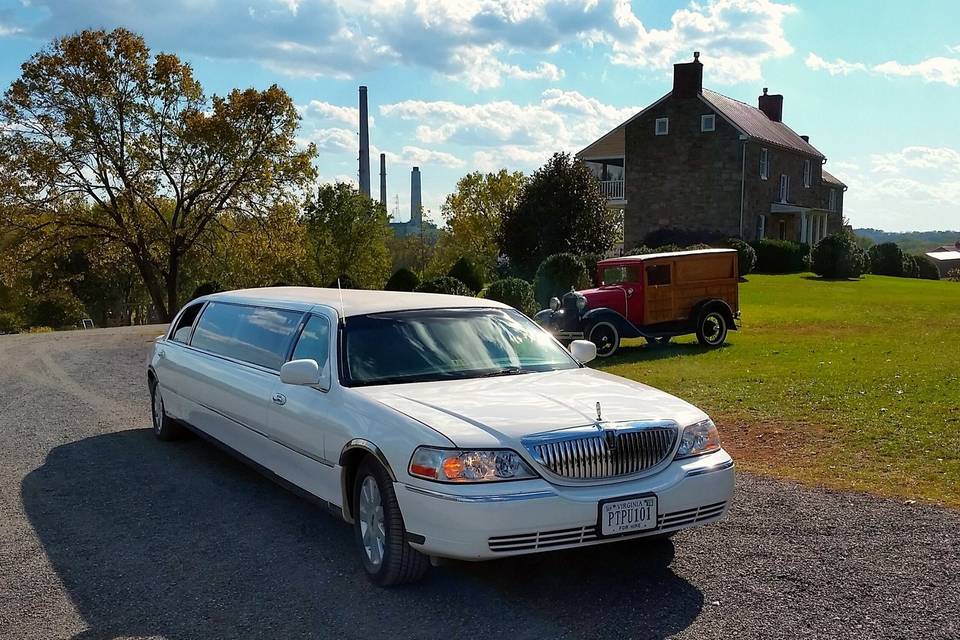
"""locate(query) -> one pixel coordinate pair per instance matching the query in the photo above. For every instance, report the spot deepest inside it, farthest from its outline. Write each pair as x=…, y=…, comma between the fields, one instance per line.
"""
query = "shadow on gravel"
x=181, y=541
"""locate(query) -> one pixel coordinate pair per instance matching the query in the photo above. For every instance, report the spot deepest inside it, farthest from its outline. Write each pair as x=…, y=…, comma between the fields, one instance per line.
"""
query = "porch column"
x=803, y=226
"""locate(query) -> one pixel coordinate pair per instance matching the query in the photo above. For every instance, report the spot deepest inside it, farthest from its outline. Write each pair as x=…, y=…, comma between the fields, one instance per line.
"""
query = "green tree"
x=96, y=118
x=839, y=256
x=557, y=274
x=561, y=209
x=475, y=211
x=347, y=234
x=403, y=279
x=513, y=291
x=467, y=272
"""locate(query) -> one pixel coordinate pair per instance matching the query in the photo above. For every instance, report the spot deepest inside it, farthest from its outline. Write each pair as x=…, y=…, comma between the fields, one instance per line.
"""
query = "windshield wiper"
x=506, y=371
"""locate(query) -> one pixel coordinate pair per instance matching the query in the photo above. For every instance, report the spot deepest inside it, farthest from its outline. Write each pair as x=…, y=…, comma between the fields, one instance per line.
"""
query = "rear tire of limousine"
x=379, y=531
x=164, y=427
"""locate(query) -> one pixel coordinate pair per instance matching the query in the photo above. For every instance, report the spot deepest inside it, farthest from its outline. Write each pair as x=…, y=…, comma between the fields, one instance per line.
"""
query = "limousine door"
x=299, y=415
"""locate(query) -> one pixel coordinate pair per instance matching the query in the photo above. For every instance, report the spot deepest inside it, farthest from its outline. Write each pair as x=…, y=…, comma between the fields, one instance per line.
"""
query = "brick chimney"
x=805, y=139
x=772, y=105
x=688, y=78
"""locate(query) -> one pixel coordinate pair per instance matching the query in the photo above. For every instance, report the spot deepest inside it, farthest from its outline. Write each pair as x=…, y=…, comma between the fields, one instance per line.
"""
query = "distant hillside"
x=911, y=241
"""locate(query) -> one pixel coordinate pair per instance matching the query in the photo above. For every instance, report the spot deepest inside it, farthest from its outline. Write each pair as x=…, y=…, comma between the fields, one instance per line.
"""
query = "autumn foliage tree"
x=102, y=140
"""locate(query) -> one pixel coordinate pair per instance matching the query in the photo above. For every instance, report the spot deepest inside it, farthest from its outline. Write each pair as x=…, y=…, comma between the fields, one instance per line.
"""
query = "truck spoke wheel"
x=606, y=337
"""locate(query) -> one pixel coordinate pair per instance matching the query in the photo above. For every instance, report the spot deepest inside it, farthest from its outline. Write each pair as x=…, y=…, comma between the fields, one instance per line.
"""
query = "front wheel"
x=163, y=426
x=606, y=337
x=711, y=328
x=379, y=531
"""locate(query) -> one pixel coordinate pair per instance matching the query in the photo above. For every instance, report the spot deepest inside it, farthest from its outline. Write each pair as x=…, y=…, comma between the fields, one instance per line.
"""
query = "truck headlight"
x=458, y=465
x=698, y=439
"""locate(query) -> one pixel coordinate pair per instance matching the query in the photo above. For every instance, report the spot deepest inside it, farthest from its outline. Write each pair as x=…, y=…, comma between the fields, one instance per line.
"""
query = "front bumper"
x=479, y=522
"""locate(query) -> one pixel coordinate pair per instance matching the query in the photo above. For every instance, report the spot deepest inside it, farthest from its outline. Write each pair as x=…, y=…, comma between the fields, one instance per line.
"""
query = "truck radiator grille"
x=592, y=454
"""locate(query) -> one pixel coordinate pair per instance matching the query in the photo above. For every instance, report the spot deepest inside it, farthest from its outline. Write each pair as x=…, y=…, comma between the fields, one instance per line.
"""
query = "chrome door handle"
x=161, y=353
x=279, y=398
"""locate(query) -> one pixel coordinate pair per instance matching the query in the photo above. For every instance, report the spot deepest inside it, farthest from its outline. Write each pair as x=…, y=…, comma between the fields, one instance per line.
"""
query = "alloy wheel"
x=370, y=513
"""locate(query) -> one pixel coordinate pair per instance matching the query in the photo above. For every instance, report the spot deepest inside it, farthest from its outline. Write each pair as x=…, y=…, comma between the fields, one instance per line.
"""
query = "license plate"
x=627, y=515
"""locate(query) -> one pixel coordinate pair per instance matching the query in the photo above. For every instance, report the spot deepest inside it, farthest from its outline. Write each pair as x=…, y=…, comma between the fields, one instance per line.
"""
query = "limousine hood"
x=485, y=412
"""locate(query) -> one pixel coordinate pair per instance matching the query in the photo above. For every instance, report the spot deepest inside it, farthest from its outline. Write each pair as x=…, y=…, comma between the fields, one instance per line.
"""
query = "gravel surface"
x=107, y=533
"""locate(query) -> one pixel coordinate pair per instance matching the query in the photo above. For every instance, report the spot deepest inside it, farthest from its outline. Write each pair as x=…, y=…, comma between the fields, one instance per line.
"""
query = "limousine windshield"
x=444, y=344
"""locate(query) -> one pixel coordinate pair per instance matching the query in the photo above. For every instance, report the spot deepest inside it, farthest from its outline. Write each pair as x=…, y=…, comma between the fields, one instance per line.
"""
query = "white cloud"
x=334, y=139
x=937, y=69
x=481, y=43
x=319, y=110
x=418, y=156
x=835, y=68
x=917, y=157
x=913, y=188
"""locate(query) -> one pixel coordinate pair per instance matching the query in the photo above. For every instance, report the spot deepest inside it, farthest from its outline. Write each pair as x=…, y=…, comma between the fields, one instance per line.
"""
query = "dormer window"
x=708, y=122
x=662, y=126
x=806, y=173
x=764, y=164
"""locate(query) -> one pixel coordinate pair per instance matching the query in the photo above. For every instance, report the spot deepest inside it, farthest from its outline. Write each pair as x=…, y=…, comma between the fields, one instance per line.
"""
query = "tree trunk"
x=172, y=280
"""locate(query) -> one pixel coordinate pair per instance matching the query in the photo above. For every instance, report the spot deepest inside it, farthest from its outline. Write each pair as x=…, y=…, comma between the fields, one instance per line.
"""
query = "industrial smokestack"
x=383, y=180
x=364, y=145
x=416, y=204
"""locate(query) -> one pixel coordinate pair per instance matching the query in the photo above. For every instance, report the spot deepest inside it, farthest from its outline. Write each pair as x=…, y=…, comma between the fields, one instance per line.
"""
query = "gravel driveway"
x=108, y=533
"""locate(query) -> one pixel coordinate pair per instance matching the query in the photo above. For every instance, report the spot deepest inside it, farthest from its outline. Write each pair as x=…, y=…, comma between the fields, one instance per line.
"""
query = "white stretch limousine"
x=440, y=426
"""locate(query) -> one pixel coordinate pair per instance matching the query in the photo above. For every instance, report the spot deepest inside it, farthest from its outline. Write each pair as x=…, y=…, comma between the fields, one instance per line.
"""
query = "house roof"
x=944, y=255
x=668, y=254
x=353, y=301
x=748, y=119
x=757, y=125
x=832, y=179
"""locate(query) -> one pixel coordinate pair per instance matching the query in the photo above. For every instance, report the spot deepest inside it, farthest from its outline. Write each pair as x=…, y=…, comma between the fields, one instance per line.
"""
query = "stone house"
x=698, y=161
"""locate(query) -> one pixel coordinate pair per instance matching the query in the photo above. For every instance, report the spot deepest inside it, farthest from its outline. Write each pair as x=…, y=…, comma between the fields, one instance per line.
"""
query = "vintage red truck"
x=654, y=296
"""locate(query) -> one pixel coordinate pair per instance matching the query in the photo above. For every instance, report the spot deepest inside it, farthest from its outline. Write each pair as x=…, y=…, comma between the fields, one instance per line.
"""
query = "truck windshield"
x=617, y=275
x=445, y=344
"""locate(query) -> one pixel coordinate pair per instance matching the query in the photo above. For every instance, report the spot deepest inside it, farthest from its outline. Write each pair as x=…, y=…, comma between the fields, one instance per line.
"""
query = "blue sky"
x=477, y=84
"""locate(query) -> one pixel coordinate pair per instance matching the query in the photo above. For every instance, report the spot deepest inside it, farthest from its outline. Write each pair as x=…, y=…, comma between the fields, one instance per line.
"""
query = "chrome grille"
x=603, y=451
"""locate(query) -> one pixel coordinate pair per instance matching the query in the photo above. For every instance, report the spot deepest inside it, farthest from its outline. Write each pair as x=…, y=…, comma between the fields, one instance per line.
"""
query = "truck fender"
x=714, y=303
x=544, y=318
x=625, y=328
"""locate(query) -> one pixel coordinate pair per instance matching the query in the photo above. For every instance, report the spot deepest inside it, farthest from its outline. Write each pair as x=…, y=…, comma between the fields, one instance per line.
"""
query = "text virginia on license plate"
x=628, y=515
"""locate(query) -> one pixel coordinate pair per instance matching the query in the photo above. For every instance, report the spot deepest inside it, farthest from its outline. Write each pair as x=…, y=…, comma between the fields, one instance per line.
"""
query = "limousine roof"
x=355, y=302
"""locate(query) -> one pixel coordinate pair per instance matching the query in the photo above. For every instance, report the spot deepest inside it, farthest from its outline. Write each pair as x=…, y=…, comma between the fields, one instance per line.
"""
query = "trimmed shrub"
x=55, y=309
x=911, y=266
x=780, y=256
x=444, y=284
x=10, y=322
x=403, y=279
x=927, y=268
x=746, y=256
x=953, y=275
x=557, y=274
x=466, y=272
x=346, y=282
x=590, y=261
x=838, y=256
x=886, y=259
x=515, y=292
x=205, y=289
x=680, y=237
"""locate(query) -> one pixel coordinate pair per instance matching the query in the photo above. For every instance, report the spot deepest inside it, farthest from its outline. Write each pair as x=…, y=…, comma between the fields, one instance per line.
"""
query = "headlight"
x=457, y=465
x=698, y=439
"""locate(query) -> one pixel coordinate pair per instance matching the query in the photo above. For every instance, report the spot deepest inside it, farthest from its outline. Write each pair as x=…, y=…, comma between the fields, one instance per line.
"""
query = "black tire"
x=164, y=427
x=712, y=328
x=606, y=337
x=659, y=341
x=398, y=562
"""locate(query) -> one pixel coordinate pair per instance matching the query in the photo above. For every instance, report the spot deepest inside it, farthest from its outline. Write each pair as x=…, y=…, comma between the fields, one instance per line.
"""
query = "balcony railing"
x=612, y=189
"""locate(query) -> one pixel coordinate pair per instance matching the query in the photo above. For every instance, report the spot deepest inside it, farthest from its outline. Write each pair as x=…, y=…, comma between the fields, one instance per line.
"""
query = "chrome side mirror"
x=305, y=372
x=554, y=303
x=583, y=351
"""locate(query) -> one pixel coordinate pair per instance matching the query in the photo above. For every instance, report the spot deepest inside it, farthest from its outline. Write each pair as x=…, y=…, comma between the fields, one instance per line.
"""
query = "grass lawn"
x=853, y=385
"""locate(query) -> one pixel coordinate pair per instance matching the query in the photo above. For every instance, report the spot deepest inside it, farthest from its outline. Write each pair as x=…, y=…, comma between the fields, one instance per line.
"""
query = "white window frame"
x=784, y=193
x=666, y=126
x=762, y=233
x=807, y=171
x=764, y=164
x=832, y=200
x=708, y=118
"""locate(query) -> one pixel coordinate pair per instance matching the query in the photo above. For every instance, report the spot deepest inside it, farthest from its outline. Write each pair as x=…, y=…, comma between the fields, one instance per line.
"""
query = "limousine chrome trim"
x=503, y=497
x=362, y=443
x=712, y=468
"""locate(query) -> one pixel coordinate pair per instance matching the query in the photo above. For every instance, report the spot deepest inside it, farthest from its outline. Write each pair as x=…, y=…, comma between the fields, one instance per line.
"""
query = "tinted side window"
x=257, y=335
x=181, y=332
x=658, y=274
x=314, y=342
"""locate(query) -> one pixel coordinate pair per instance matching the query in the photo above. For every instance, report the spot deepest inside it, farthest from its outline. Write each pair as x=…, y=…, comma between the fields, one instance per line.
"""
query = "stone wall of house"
x=687, y=179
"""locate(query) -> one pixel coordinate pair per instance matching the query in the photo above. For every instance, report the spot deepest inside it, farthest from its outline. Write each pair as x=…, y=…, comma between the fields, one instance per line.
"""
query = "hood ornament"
x=599, y=417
